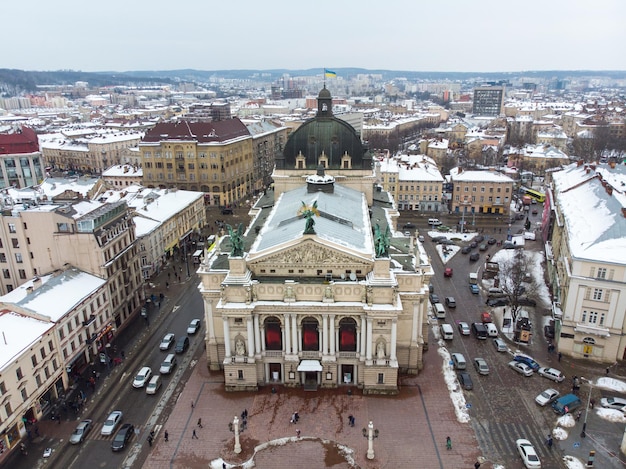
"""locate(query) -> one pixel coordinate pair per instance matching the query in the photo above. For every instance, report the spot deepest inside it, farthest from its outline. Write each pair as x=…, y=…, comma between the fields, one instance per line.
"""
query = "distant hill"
x=22, y=80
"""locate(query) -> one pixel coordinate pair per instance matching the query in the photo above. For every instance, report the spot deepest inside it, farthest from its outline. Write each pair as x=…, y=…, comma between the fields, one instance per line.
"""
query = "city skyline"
x=454, y=35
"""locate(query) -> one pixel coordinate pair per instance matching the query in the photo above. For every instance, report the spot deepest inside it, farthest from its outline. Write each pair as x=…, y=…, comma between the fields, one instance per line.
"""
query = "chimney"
x=579, y=163
x=624, y=212
x=609, y=189
x=36, y=283
x=612, y=164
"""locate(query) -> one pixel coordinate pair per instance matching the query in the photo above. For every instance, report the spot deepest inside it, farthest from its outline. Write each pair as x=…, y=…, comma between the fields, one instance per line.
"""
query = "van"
x=473, y=278
x=480, y=331
x=492, y=330
x=182, y=345
x=440, y=311
x=434, y=221
x=565, y=404
x=154, y=385
x=458, y=360
x=495, y=293
x=500, y=345
x=446, y=332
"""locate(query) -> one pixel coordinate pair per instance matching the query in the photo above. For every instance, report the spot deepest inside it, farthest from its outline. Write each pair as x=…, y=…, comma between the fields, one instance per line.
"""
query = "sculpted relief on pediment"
x=309, y=255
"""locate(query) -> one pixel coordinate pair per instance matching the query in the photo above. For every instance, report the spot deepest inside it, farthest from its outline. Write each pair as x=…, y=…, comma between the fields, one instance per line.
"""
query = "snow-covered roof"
x=594, y=218
x=343, y=220
x=123, y=170
x=57, y=295
x=478, y=176
x=18, y=333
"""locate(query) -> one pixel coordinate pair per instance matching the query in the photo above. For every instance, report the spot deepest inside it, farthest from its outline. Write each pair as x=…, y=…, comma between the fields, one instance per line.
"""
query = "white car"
x=111, y=423
x=167, y=341
x=194, y=325
x=528, y=454
x=613, y=403
x=78, y=435
x=142, y=377
x=547, y=396
x=481, y=366
x=464, y=328
x=522, y=368
x=551, y=373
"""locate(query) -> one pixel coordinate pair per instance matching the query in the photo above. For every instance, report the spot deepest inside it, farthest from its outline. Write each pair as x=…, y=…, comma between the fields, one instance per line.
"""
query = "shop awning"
x=310, y=365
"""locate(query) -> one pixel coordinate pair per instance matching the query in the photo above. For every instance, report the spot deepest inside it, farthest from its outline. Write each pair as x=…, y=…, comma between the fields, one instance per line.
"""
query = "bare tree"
x=512, y=276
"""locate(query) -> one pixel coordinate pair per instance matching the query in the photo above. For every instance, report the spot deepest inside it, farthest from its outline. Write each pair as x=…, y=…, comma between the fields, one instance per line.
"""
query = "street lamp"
x=370, y=433
x=583, y=433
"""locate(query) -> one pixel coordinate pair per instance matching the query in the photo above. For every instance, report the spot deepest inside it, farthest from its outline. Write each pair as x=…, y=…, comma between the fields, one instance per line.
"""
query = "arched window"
x=310, y=335
x=347, y=335
x=589, y=341
x=273, y=334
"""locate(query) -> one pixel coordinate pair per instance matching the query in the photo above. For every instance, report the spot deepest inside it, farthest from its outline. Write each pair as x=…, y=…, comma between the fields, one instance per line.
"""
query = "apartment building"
x=488, y=101
x=94, y=237
x=221, y=159
x=537, y=158
x=31, y=374
x=586, y=261
x=88, y=150
x=414, y=182
x=480, y=192
x=21, y=162
x=122, y=175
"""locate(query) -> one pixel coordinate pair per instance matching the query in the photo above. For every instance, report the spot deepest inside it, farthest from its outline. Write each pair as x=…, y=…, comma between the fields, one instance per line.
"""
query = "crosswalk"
x=498, y=440
x=96, y=435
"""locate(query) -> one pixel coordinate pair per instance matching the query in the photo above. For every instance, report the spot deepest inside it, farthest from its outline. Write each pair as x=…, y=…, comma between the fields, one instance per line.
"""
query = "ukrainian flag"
x=329, y=73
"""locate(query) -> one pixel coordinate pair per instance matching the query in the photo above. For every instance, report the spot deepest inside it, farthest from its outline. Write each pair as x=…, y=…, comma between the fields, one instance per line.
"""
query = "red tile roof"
x=202, y=132
x=22, y=141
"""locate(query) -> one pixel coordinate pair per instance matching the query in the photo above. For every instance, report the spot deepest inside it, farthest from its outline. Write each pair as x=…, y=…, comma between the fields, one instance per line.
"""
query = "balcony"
x=89, y=321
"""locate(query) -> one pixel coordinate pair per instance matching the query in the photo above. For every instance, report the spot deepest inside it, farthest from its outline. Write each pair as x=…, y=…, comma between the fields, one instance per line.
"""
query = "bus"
x=538, y=196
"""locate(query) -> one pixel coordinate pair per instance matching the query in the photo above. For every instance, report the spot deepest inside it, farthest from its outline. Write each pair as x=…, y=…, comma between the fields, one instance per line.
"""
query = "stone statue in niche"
x=380, y=349
x=240, y=347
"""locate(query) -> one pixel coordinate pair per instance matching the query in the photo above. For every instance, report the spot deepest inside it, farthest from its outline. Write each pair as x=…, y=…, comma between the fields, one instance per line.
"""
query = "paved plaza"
x=412, y=426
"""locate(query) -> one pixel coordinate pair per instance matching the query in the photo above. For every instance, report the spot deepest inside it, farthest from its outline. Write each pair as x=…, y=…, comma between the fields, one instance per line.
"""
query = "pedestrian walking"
x=560, y=355
x=448, y=443
x=193, y=434
x=167, y=285
x=578, y=415
x=192, y=404
x=150, y=441
x=200, y=422
x=549, y=441
x=297, y=433
x=592, y=402
x=476, y=465
x=607, y=371
x=166, y=436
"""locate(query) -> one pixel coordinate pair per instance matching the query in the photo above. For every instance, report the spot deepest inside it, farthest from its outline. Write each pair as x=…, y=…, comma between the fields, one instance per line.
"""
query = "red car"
x=485, y=317
x=447, y=272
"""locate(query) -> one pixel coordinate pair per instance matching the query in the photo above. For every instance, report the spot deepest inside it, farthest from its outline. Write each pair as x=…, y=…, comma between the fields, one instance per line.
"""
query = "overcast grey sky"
x=436, y=35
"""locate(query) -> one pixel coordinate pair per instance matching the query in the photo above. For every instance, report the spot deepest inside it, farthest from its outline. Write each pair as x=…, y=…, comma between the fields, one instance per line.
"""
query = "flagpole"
x=324, y=75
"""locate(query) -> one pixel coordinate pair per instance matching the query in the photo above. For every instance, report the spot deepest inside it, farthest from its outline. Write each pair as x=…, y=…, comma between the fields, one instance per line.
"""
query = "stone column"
x=257, y=334
x=394, y=339
x=332, y=335
x=287, y=334
x=363, y=337
x=414, y=332
x=226, y=338
x=324, y=334
x=368, y=355
x=262, y=338
x=250, y=330
x=295, y=331
x=209, y=320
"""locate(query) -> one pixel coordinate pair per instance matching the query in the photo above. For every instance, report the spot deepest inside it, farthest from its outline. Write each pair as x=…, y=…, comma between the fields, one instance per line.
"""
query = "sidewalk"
x=413, y=426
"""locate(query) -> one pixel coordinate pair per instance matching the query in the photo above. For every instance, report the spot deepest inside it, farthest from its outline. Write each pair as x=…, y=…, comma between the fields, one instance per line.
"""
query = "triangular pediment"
x=310, y=255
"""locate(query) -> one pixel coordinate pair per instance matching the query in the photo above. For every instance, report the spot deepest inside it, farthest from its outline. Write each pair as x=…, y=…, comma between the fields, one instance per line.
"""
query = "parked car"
x=479, y=239
x=547, y=396
x=111, y=423
x=167, y=341
x=193, y=327
x=420, y=238
x=529, y=361
x=613, y=403
x=458, y=361
x=500, y=345
x=450, y=302
x=551, y=373
x=466, y=250
x=408, y=226
x=496, y=302
x=121, y=438
x=522, y=368
x=182, y=345
x=485, y=317
x=446, y=241
x=464, y=328
x=481, y=366
x=492, y=241
x=528, y=454
x=448, y=272
x=153, y=385
x=525, y=301
x=474, y=256
x=79, y=433
x=142, y=377
x=434, y=298
x=483, y=247
x=473, y=245
x=474, y=289
x=465, y=380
